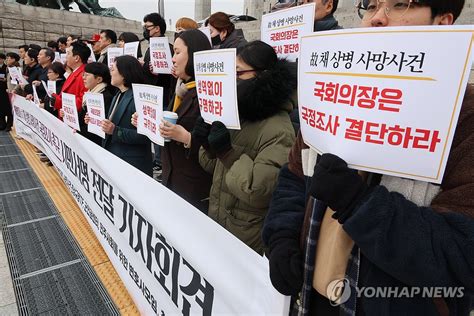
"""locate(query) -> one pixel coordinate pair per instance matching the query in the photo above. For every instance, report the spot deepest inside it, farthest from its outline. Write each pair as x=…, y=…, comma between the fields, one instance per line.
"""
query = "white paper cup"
x=171, y=117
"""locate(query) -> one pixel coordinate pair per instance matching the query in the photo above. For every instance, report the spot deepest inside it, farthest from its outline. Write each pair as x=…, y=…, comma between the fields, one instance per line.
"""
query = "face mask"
x=216, y=40
x=146, y=34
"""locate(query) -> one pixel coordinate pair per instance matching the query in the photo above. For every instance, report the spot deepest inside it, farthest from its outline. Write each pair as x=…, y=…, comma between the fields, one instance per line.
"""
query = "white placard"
x=96, y=111
x=216, y=86
x=15, y=74
x=92, y=56
x=172, y=258
x=149, y=106
x=52, y=86
x=70, y=117
x=283, y=29
x=160, y=55
x=45, y=86
x=36, y=99
x=386, y=101
x=63, y=58
x=131, y=49
x=207, y=31
x=57, y=57
x=112, y=54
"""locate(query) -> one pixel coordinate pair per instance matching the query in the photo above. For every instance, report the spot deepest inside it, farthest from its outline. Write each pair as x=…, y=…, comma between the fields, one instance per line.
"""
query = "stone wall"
x=21, y=24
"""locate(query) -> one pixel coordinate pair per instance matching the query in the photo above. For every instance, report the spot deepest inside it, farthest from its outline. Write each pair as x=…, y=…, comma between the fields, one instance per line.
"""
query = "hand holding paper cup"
x=170, y=117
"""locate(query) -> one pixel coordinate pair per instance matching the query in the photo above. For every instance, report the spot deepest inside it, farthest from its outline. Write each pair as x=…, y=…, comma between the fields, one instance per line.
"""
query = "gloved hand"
x=201, y=131
x=286, y=263
x=339, y=186
x=219, y=139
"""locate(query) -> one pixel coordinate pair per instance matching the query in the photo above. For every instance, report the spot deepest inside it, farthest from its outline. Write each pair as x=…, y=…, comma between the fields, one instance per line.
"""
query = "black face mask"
x=216, y=40
x=244, y=93
x=146, y=34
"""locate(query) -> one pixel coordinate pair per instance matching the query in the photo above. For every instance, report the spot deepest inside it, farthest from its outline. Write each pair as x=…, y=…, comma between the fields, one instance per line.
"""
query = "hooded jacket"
x=244, y=179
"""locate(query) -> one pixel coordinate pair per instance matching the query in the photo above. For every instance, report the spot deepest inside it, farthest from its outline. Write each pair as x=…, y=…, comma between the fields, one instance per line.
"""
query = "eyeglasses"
x=394, y=9
x=148, y=27
x=241, y=72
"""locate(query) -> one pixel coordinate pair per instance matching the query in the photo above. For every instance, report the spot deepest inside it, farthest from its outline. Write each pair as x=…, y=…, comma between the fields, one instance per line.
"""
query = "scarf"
x=457, y=188
x=181, y=90
x=97, y=89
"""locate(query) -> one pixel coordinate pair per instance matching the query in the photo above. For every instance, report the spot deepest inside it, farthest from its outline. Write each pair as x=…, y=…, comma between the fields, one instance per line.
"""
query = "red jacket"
x=74, y=84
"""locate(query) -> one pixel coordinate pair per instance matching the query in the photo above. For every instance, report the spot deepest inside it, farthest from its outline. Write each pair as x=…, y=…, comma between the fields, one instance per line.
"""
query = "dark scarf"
x=325, y=24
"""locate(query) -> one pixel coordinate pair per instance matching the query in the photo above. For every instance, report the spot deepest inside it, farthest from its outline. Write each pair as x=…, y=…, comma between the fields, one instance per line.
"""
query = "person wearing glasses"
x=421, y=238
x=155, y=26
x=245, y=163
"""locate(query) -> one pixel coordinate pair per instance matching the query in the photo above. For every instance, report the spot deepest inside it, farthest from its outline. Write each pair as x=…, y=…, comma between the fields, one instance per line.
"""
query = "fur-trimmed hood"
x=268, y=93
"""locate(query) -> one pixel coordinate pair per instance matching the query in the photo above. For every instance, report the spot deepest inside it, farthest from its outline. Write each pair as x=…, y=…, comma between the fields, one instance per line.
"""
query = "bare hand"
x=175, y=132
x=87, y=119
x=37, y=83
x=61, y=113
x=108, y=127
x=135, y=119
x=29, y=97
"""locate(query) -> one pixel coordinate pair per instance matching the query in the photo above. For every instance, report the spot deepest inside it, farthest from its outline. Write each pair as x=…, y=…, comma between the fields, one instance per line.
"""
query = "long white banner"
x=171, y=257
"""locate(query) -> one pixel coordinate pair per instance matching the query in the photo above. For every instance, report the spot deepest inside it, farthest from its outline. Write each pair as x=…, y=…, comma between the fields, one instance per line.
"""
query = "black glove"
x=339, y=186
x=219, y=139
x=201, y=131
x=286, y=263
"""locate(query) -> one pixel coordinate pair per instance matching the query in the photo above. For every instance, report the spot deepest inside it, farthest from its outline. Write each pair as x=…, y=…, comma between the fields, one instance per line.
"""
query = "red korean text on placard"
x=210, y=106
x=366, y=97
x=380, y=134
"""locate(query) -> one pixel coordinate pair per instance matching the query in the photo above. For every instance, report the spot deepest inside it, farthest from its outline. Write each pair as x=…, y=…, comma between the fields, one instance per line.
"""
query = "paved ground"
x=7, y=296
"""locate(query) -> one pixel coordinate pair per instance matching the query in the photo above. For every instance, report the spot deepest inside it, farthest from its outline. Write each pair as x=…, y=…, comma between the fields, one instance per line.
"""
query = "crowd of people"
x=309, y=214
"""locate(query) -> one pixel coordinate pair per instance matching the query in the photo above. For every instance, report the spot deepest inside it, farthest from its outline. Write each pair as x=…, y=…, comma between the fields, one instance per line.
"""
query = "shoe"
x=38, y=151
x=44, y=159
x=18, y=137
x=49, y=163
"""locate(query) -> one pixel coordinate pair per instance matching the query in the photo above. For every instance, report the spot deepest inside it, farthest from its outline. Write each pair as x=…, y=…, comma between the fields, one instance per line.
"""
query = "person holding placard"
x=383, y=232
x=181, y=170
x=108, y=39
x=45, y=59
x=121, y=137
x=6, y=115
x=77, y=55
x=56, y=74
x=245, y=163
x=96, y=80
x=5, y=105
x=223, y=31
x=32, y=71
